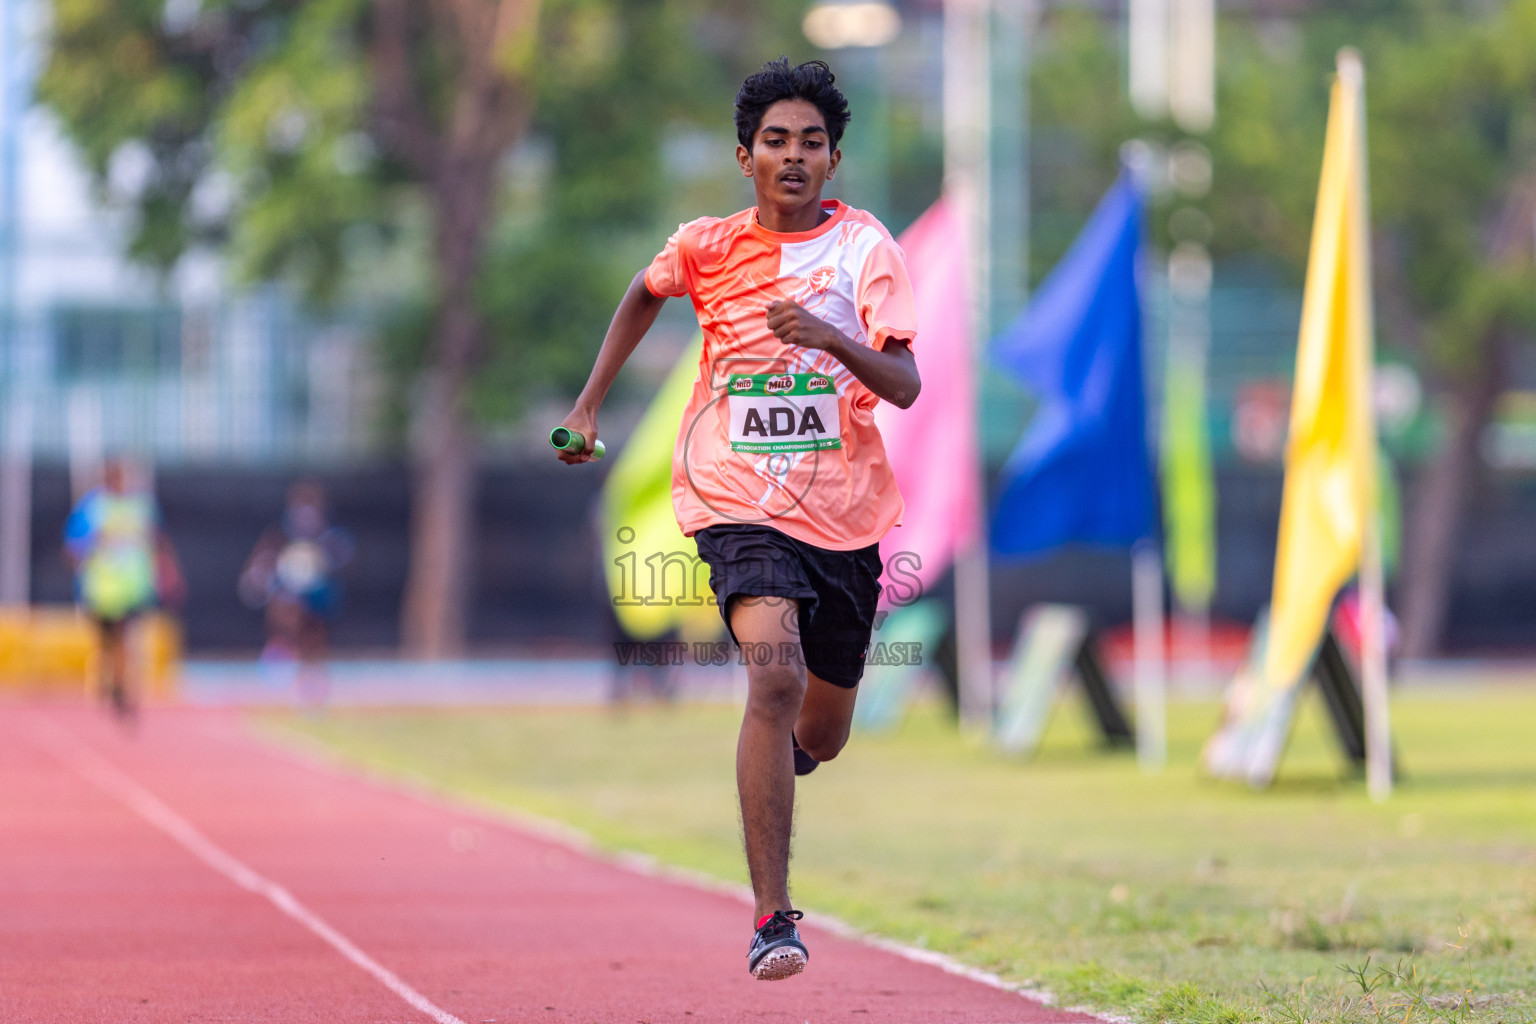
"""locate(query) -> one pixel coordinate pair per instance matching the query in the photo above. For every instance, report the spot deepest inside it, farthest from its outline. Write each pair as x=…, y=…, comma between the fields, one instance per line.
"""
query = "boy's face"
x=792, y=155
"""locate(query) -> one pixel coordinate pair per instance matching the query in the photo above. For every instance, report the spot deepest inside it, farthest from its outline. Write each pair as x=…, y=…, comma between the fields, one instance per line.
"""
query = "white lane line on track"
x=314, y=754
x=111, y=779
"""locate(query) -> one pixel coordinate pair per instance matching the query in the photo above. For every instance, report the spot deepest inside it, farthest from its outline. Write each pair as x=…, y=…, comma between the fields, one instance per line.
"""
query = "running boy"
x=124, y=565
x=779, y=473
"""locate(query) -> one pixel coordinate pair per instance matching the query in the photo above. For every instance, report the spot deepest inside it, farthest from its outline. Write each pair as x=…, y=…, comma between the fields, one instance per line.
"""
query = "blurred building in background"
x=181, y=371
x=230, y=391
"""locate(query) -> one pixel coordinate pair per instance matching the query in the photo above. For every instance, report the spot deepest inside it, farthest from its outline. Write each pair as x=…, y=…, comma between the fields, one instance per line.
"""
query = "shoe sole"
x=781, y=963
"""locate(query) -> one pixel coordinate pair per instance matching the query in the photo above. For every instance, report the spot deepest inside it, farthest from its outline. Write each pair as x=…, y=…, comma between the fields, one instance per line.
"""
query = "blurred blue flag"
x=1081, y=473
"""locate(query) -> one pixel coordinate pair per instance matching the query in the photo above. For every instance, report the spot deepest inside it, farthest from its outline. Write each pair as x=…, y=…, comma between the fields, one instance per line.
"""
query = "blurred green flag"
x=1189, y=493
x=645, y=554
x=1389, y=515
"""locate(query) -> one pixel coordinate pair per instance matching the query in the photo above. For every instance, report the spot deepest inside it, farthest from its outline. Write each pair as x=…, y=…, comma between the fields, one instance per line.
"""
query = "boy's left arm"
x=890, y=372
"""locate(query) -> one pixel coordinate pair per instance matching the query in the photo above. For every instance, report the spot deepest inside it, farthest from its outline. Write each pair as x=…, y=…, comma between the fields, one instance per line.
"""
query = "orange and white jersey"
x=776, y=434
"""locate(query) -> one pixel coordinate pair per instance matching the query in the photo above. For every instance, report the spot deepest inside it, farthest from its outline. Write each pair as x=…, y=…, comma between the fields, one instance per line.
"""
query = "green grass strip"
x=1162, y=898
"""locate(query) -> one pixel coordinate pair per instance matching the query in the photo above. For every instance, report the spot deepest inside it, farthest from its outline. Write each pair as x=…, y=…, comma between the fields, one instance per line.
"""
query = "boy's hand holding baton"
x=576, y=440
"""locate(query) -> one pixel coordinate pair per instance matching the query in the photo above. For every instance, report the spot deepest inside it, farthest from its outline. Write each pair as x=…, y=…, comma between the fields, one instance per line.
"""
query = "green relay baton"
x=570, y=441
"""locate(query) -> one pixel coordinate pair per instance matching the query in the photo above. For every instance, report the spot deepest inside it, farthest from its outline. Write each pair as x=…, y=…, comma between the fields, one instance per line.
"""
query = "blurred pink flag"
x=933, y=445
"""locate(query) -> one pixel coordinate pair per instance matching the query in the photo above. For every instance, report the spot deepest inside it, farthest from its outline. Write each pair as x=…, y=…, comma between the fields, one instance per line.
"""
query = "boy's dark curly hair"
x=811, y=81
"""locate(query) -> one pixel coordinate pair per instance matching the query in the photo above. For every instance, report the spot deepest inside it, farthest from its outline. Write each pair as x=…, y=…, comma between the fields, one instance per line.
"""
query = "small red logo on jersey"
x=776, y=384
x=817, y=383
x=741, y=384
x=821, y=279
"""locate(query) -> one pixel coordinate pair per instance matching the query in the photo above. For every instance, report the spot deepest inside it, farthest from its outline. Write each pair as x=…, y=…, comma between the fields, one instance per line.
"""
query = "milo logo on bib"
x=783, y=412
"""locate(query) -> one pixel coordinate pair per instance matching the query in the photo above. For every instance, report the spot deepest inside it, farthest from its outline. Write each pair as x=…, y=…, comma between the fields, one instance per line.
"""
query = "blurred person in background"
x=293, y=574
x=124, y=566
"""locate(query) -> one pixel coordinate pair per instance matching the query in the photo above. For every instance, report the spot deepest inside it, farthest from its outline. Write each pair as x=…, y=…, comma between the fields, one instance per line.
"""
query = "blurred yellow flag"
x=1330, y=459
x=652, y=569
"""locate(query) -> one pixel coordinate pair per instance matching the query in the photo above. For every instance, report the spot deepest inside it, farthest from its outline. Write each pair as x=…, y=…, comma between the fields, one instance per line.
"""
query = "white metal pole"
x=967, y=127
x=1192, y=64
x=1373, y=632
x=1373, y=668
x=1150, y=674
x=16, y=453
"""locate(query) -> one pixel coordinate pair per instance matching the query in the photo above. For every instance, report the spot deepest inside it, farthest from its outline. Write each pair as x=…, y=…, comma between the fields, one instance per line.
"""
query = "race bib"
x=783, y=412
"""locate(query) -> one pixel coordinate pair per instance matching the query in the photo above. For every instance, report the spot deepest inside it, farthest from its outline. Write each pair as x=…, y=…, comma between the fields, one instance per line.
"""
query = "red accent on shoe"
x=763, y=920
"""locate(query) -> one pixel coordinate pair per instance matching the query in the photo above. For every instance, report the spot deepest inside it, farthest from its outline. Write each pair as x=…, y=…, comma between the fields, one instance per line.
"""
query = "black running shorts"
x=836, y=591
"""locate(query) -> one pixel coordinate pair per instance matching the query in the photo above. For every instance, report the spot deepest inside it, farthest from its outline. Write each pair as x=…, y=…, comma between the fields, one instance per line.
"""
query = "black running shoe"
x=804, y=763
x=777, y=951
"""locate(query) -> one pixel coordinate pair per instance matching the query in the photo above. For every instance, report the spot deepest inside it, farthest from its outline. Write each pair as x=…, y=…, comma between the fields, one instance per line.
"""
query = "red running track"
x=193, y=873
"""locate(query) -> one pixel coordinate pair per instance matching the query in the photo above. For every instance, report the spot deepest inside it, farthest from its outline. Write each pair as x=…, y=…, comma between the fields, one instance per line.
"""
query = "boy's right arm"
x=636, y=312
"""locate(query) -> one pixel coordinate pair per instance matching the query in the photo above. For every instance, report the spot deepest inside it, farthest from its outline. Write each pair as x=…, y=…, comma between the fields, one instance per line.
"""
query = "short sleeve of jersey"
x=666, y=276
x=885, y=296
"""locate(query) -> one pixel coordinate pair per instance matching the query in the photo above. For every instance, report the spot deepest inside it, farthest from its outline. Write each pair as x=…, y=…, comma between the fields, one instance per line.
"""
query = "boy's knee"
x=821, y=741
x=775, y=688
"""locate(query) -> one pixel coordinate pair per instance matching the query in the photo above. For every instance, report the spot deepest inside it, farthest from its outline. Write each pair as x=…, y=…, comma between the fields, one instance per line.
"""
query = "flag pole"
x=1150, y=676
x=1373, y=647
x=16, y=444
x=967, y=143
x=1373, y=657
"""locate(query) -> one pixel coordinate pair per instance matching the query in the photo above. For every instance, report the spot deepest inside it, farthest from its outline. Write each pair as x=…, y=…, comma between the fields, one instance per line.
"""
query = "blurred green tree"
x=1454, y=186
x=1452, y=137
x=1451, y=108
x=1079, y=118
x=362, y=147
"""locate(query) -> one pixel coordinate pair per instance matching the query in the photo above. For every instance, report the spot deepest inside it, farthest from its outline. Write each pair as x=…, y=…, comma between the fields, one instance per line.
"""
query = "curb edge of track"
x=314, y=753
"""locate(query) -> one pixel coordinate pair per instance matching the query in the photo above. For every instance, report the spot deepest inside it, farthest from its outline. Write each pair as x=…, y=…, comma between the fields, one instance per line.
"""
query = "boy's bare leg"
x=136, y=666
x=106, y=662
x=826, y=715
x=765, y=765
x=116, y=685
